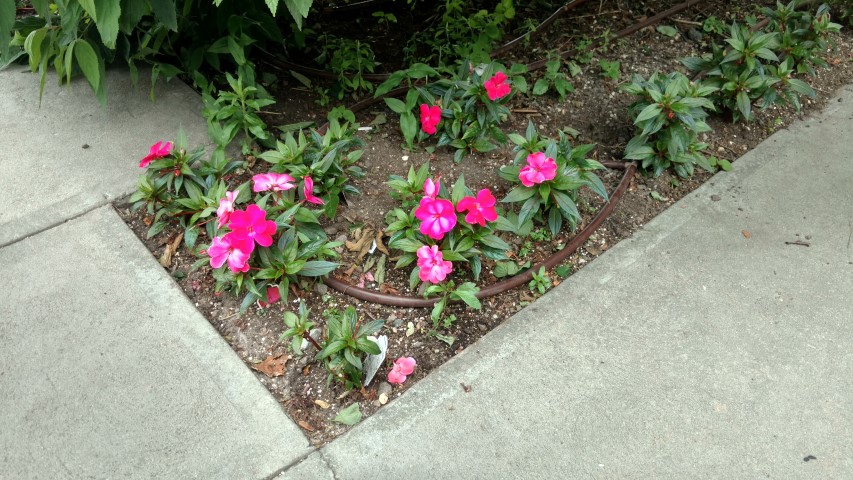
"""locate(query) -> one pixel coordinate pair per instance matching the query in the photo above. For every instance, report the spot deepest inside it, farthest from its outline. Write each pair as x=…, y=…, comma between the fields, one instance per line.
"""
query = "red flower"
x=480, y=209
x=430, y=118
x=496, y=88
x=157, y=151
x=273, y=295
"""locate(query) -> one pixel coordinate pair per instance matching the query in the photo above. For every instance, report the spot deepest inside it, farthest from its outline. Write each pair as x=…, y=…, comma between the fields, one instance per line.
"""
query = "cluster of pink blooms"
x=538, y=169
x=496, y=88
x=430, y=118
x=438, y=217
x=249, y=227
x=157, y=151
x=403, y=367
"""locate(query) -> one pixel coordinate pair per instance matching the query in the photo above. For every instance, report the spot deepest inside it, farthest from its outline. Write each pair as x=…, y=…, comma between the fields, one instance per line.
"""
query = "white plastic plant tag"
x=373, y=362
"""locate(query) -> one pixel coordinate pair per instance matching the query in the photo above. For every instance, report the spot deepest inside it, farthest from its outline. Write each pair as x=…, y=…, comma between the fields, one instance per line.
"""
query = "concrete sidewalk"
x=687, y=351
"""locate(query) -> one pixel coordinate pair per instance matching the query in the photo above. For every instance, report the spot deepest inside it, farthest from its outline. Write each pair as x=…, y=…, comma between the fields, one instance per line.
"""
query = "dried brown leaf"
x=273, y=365
x=745, y=233
x=379, y=244
x=322, y=404
x=306, y=425
x=171, y=248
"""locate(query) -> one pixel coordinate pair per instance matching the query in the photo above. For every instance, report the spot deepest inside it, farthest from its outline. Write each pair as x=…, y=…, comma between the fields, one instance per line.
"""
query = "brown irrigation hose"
x=409, y=301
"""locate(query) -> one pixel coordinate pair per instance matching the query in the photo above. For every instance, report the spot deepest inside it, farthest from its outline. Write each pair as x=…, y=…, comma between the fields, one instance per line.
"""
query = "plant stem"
x=307, y=336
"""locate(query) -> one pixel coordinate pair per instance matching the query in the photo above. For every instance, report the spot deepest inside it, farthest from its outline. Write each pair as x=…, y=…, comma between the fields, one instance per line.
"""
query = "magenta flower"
x=430, y=118
x=496, y=88
x=431, y=188
x=273, y=295
x=308, y=192
x=434, y=268
x=402, y=368
x=226, y=207
x=276, y=182
x=158, y=150
x=538, y=169
x=252, y=224
x=234, y=250
x=480, y=209
x=437, y=217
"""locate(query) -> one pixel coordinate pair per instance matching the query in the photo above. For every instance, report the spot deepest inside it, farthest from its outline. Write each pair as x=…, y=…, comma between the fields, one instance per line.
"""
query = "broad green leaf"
x=350, y=415
x=650, y=111
x=298, y=10
x=88, y=61
x=7, y=21
x=668, y=30
x=272, y=5
x=396, y=105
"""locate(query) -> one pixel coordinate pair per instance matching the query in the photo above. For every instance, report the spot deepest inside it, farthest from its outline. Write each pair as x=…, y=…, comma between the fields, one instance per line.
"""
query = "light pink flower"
x=252, y=224
x=273, y=295
x=402, y=368
x=434, y=268
x=308, y=192
x=480, y=209
x=431, y=188
x=158, y=150
x=437, y=217
x=496, y=88
x=539, y=169
x=234, y=250
x=226, y=207
x=430, y=118
x=276, y=182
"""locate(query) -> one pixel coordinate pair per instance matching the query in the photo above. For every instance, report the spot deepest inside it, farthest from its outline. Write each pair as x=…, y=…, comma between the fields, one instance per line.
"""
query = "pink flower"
x=480, y=209
x=158, y=150
x=273, y=295
x=437, y=217
x=308, y=192
x=252, y=224
x=431, y=188
x=434, y=268
x=233, y=249
x=539, y=169
x=226, y=207
x=402, y=368
x=430, y=118
x=276, y=182
x=496, y=88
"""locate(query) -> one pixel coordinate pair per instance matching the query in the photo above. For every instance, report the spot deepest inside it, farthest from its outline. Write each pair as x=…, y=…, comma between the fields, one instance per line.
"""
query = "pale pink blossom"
x=276, y=182
x=252, y=224
x=430, y=118
x=496, y=88
x=434, y=268
x=538, y=169
x=480, y=209
x=437, y=217
x=402, y=368
x=157, y=151
x=234, y=250
x=226, y=207
x=431, y=188
x=308, y=192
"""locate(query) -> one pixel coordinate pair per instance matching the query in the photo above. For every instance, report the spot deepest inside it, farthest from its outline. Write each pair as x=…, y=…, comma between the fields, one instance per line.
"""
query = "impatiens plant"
x=403, y=367
x=549, y=181
x=669, y=114
x=345, y=345
x=458, y=226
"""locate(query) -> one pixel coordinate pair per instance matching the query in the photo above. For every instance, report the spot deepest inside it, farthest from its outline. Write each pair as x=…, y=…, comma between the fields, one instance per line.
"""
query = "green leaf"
x=352, y=359
x=467, y=293
x=272, y=5
x=743, y=104
x=650, y=111
x=519, y=194
x=164, y=10
x=7, y=21
x=396, y=105
x=668, y=30
x=298, y=10
x=88, y=61
x=540, y=87
x=350, y=415
x=317, y=268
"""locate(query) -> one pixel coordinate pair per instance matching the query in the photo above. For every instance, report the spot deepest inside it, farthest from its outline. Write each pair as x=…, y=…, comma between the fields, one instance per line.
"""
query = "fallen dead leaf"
x=322, y=404
x=306, y=370
x=383, y=398
x=148, y=220
x=745, y=234
x=368, y=395
x=385, y=288
x=273, y=365
x=379, y=244
x=171, y=248
x=466, y=388
x=306, y=425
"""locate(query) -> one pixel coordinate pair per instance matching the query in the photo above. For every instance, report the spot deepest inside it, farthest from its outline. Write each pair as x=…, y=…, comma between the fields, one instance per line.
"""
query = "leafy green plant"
x=550, y=181
x=350, y=60
x=714, y=25
x=541, y=282
x=465, y=292
x=669, y=114
x=803, y=37
x=554, y=79
x=611, y=70
x=345, y=345
x=329, y=159
x=298, y=329
x=234, y=111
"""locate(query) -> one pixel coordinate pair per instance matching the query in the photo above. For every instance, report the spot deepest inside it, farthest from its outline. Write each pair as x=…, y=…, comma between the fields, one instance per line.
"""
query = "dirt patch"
x=596, y=110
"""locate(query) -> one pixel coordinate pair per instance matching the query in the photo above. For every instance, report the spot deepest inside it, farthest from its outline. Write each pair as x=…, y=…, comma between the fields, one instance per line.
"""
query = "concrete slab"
x=108, y=371
x=47, y=174
x=693, y=350
x=312, y=468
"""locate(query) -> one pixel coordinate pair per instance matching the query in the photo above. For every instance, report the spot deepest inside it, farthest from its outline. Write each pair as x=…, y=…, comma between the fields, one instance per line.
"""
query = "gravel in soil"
x=597, y=110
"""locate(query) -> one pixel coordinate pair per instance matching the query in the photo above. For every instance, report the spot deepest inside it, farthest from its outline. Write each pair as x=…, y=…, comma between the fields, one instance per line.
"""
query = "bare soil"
x=596, y=109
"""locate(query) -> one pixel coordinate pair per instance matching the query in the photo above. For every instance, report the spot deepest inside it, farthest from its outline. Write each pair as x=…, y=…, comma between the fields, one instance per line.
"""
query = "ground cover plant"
x=382, y=198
